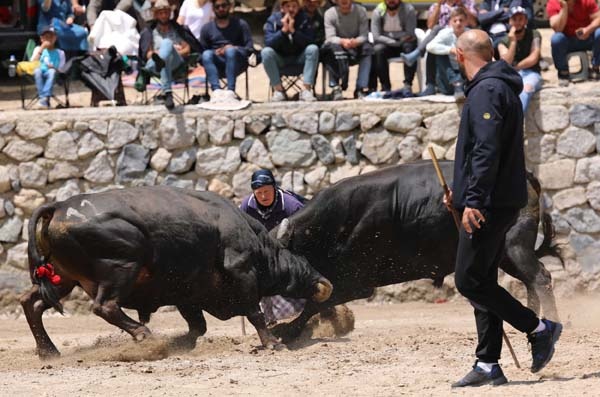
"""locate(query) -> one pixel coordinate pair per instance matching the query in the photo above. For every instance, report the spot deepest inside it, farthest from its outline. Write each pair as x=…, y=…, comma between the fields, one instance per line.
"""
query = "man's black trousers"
x=476, y=279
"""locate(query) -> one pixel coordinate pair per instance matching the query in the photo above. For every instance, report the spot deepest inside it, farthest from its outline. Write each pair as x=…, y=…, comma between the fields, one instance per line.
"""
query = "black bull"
x=143, y=248
x=390, y=226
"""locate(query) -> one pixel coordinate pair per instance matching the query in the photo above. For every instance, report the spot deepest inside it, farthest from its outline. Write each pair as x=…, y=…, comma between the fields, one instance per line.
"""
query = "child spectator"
x=51, y=59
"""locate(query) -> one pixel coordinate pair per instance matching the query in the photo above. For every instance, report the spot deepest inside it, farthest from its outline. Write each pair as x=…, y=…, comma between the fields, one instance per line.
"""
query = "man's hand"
x=582, y=33
x=448, y=200
x=563, y=3
x=78, y=10
x=472, y=217
x=291, y=27
x=285, y=21
x=69, y=21
x=512, y=34
x=221, y=51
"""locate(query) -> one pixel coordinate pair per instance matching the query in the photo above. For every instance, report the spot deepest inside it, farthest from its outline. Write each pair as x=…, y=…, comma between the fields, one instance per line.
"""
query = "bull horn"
x=284, y=232
x=324, y=290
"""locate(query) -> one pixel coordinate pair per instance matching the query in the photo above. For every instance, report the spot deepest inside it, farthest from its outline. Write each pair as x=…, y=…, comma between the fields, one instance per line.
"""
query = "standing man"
x=347, y=43
x=163, y=46
x=576, y=25
x=489, y=189
x=522, y=49
x=227, y=44
x=269, y=205
x=393, y=24
x=289, y=40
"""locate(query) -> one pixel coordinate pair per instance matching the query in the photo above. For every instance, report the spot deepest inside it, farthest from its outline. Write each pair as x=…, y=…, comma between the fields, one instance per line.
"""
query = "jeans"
x=563, y=44
x=273, y=62
x=476, y=277
x=382, y=53
x=172, y=61
x=44, y=81
x=533, y=79
x=230, y=66
x=448, y=74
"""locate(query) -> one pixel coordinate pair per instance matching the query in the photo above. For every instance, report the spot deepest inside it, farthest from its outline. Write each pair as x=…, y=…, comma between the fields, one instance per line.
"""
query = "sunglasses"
x=221, y=5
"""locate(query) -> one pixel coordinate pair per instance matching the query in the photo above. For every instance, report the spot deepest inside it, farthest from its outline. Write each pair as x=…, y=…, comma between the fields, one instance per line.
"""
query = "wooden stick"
x=442, y=180
x=243, y=326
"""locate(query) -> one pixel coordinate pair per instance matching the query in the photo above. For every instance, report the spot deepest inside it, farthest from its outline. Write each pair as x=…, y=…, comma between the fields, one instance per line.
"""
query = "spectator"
x=95, y=7
x=163, y=46
x=289, y=40
x=521, y=48
x=59, y=14
x=50, y=9
x=194, y=14
x=494, y=14
x=346, y=43
x=576, y=25
x=393, y=24
x=227, y=44
x=313, y=9
x=438, y=19
x=51, y=59
x=269, y=205
x=79, y=10
x=443, y=49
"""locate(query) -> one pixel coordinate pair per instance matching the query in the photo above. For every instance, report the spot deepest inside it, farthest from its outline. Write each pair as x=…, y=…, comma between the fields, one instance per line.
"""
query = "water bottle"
x=12, y=66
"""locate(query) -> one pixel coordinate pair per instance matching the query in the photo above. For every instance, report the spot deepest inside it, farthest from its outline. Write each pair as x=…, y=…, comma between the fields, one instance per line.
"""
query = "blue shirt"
x=237, y=33
x=60, y=9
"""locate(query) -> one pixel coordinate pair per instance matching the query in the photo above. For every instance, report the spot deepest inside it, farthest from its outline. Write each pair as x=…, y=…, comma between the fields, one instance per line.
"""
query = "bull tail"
x=48, y=291
x=546, y=248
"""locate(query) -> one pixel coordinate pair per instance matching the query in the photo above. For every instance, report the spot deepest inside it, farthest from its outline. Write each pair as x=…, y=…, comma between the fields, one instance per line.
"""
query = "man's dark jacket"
x=489, y=169
x=183, y=32
x=289, y=44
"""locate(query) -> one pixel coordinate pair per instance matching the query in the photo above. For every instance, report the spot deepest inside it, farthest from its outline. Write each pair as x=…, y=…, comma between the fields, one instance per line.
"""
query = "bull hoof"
x=184, y=342
x=48, y=353
x=141, y=333
x=286, y=332
x=279, y=347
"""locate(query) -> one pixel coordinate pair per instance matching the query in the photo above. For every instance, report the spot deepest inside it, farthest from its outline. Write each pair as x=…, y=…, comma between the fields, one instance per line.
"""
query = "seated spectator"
x=443, y=49
x=393, y=24
x=194, y=14
x=494, y=14
x=438, y=18
x=347, y=43
x=163, y=46
x=289, y=40
x=269, y=204
x=71, y=38
x=576, y=24
x=522, y=49
x=313, y=10
x=227, y=44
x=51, y=59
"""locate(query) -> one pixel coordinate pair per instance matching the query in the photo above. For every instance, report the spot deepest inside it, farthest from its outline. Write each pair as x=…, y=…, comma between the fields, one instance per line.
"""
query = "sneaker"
x=158, y=62
x=360, y=94
x=169, y=104
x=429, y=90
x=278, y=96
x=410, y=58
x=478, y=377
x=307, y=96
x=459, y=94
x=336, y=94
x=43, y=104
x=595, y=73
x=563, y=79
x=542, y=344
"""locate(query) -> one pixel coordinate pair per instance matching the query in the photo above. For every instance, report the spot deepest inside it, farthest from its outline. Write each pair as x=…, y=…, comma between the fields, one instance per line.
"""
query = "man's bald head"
x=476, y=42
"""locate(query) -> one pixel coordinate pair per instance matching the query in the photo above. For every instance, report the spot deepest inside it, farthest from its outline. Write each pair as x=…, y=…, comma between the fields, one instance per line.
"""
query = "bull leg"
x=106, y=306
x=34, y=307
x=196, y=323
x=268, y=340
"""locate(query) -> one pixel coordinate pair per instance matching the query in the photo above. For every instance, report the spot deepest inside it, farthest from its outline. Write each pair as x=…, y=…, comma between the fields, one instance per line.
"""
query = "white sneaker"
x=307, y=96
x=278, y=96
x=230, y=95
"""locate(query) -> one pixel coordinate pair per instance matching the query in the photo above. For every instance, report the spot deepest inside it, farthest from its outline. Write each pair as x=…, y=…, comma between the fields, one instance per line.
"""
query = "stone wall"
x=53, y=155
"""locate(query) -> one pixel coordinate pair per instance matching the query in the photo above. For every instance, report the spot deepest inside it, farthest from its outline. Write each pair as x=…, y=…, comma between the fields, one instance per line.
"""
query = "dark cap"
x=517, y=10
x=262, y=178
x=48, y=29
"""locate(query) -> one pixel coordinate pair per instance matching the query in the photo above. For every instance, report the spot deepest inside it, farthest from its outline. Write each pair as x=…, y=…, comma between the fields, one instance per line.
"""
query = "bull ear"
x=284, y=232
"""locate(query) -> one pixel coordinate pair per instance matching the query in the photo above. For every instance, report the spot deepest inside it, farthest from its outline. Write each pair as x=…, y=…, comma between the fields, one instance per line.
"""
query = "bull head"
x=284, y=232
x=324, y=290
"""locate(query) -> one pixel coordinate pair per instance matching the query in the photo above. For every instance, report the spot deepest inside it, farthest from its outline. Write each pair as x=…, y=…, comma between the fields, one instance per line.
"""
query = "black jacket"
x=183, y=32
x=289, y=44
x=489, y=169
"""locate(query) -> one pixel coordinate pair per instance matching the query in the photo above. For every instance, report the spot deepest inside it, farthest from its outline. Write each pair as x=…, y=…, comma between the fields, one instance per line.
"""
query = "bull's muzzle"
x=324, y=290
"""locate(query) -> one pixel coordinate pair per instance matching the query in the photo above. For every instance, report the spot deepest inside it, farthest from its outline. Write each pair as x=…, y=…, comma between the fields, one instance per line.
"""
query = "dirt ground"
x=396, y=349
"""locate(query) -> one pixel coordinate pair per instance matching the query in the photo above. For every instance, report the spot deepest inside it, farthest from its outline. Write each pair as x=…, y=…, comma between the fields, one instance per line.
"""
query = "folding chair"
x=420, y=69
x=25, y=75
x=180, y=75
x=291, y=78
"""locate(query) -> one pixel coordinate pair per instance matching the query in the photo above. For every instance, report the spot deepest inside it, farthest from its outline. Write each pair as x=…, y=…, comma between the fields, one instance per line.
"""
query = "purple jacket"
x=284, y=206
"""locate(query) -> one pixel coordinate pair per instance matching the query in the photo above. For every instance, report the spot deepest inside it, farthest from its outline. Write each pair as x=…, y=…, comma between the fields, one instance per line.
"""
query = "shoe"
x=410, y=58
x=278, y=96
x=478, y=377
x=307, y=96
x=169, y=104
x=360, y=94
x=542, y=344
x=563, y=78
x=336, y=94
x=459, y=94
x=595, y=73
x=407, y=87
x=43, y=104
x=158, y=62
x=429, y=90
